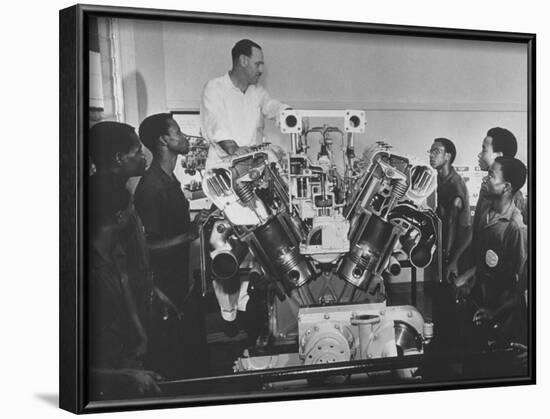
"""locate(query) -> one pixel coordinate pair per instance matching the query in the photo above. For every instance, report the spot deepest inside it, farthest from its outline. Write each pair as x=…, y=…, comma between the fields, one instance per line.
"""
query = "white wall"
x=414, y=89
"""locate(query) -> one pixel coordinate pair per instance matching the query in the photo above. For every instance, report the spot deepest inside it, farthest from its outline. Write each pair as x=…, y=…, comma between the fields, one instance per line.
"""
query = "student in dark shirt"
x=115, y=335
x=498, y=142
x=453, y=205
x=500, y=251
x=164, y=210
x=453, y=209
x=117, y=155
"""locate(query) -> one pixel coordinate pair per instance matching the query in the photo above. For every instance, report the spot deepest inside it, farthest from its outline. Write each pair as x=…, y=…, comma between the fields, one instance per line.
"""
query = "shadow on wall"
x=136, y=98
x=142, y=97
x=140, y=105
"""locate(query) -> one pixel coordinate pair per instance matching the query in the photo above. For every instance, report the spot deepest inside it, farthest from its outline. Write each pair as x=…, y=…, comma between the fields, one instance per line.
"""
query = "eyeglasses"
x=436, y=151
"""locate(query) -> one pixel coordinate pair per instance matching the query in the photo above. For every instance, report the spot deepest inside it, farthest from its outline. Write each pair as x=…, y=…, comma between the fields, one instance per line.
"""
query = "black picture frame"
x=73, y=93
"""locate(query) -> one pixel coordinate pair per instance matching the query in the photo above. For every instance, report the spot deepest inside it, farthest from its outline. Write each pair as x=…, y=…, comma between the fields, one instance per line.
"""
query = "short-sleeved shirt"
x=164, y=211
x=448, y=189
x=500, y=252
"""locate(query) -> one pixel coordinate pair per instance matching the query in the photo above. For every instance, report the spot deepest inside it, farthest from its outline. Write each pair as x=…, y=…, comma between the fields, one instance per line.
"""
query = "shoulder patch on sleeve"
x=457, y=202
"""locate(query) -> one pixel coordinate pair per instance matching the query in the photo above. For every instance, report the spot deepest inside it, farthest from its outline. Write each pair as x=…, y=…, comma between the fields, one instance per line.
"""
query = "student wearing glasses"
x=453, y=205
x=453, y=208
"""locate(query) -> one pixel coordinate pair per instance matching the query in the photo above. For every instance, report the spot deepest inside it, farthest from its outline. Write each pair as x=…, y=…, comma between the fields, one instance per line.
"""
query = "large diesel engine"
x=325, y=233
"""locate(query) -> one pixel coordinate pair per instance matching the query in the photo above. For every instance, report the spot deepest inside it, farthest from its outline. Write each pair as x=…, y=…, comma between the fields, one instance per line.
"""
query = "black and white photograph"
x=278, y=209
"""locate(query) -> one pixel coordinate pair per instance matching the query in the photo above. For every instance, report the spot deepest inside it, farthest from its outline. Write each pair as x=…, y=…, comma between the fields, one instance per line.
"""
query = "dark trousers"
x=177, y=346
x=447, y=316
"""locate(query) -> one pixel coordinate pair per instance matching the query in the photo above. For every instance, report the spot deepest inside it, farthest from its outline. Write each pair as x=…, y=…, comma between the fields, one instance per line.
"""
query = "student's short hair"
x=449, y=147
x=152, y=128
x=513, y=171
x=243, y=47
x=503, y=141
x=108, y=138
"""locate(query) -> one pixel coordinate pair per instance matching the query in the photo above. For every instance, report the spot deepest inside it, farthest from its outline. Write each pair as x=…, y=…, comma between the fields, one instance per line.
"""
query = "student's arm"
x=147, y=205
x=186, y=237
x=109, y=380
x=164, y=244
x=451, y=232
x=463, y=240
x=463, y=237
x=509, y=304
x=465, y=282
x=121, y=263
x=130, y=301
x=480, y=207
x=516, y=241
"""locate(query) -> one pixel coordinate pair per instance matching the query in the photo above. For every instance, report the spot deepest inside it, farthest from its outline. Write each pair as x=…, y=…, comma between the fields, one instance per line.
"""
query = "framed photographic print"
x=258, y=208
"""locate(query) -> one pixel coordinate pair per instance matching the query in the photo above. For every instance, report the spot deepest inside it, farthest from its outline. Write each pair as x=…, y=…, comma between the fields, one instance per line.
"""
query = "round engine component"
x=226, y=263
x=364, y=261
x=419, y=241
x=328, y=342
x=227, y=252
x=423, y=182
x=407, y=339
x=282, y=254
x=394, y=267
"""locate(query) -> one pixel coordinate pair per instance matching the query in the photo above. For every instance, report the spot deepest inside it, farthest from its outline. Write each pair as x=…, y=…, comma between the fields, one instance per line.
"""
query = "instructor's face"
x=176, y=140
x=254, y=65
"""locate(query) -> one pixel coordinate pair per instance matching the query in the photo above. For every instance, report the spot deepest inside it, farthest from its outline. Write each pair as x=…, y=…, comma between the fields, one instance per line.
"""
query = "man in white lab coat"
x=233, y=110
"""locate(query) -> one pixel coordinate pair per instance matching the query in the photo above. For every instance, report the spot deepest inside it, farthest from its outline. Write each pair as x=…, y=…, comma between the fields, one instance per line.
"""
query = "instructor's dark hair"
x=503, y=141
x=152, y=128
x=513, y=171
x=243, y=47
x=449, y=147
x=108, y=138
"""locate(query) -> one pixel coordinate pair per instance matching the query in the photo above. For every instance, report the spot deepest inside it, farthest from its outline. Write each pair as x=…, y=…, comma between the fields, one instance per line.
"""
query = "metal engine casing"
x=324, y=237
x=336, y=334
x=358, y=331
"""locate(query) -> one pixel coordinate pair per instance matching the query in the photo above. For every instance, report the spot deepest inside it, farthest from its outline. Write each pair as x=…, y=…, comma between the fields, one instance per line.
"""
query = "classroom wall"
x=413, y=89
